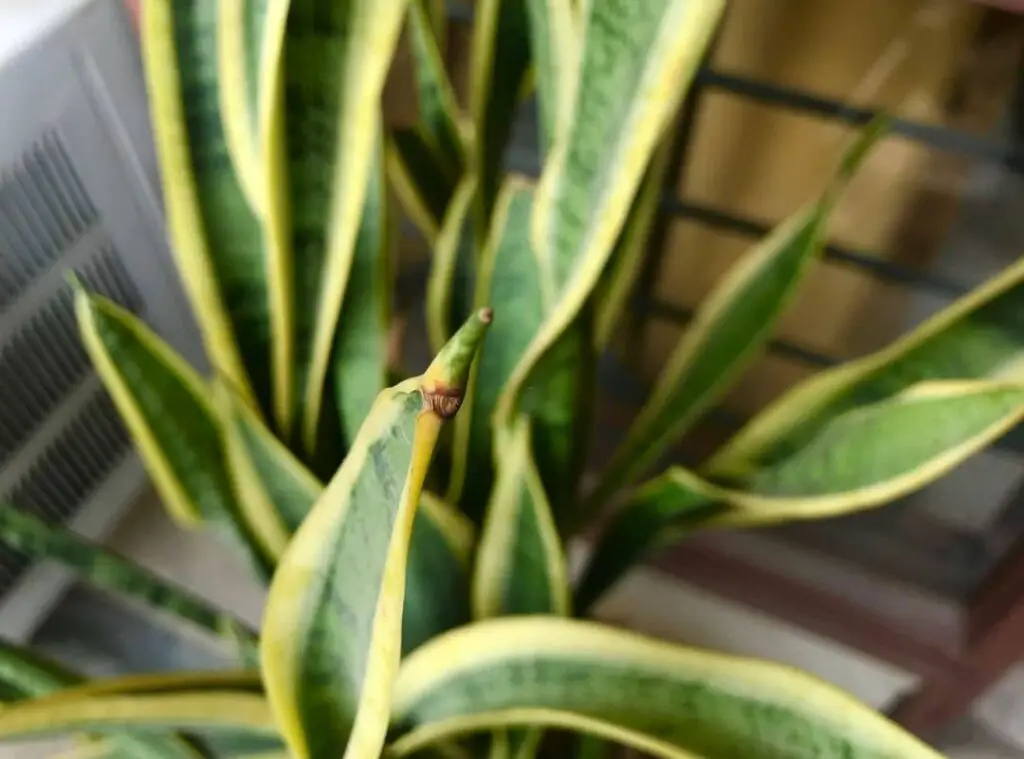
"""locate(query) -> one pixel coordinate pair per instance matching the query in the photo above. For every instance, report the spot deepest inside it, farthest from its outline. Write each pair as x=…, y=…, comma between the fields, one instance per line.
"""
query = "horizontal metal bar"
x=939, y=138
x=873, y=265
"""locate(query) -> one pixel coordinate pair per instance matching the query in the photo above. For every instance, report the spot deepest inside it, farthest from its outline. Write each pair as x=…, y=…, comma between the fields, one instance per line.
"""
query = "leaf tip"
x=446, y=377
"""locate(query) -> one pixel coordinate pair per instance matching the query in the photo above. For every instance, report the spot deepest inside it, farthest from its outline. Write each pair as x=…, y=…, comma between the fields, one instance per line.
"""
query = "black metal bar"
x=939, y=138
x=872, y=264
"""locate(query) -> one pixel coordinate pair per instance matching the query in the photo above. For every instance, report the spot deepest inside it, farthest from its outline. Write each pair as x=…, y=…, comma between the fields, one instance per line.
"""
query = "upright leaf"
x=166, y=408
x=500, y=60
x=217, y=240
x=636, y=61
x=361, y=342
x=554, y=46
x=730, y=328
x=427, y=160
x=511, y=278
x=331, y=637
x=108, y=571
x=661, y=699
x=862, y=459
x=977, y=337
x=520, y=567
x=452, y=267
x=336, y=56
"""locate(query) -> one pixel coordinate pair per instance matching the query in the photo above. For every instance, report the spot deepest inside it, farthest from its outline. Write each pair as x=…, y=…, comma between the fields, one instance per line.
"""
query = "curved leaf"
x=452, y=267
x=731, y=326
x=331, y=638
x=361, y=342
x=636, y=61
x=663, y=699
x=862, y=459
x=165, y=407
x=977, y=337
x=437, y=574
x=336, y=56
x=110, y=572
x=554, y=46
x=512, y=279
x=216, y=238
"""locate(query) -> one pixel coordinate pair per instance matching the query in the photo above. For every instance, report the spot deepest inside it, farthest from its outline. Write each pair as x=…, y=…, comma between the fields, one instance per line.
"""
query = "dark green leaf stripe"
x=108, y=571
x=437, y=575
x=977, y=337
x=360, y=344
x=636, y=61
x=164, y=404
x=862, y=459
x=216, y=237
x=666, y=700
x=730, y=328
x=331, y=640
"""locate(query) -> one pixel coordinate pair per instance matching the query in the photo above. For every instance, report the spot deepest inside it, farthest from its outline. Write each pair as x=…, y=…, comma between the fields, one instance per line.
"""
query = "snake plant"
x=411, y=529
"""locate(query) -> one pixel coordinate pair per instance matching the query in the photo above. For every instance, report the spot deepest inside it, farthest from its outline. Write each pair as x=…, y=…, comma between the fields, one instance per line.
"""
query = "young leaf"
x=520, y=567
x=731, y=326
x=108, y=571
x=861, y=459
x=500, y=60
x=452, y=268
x=360, y=344
x=216, y=238
x=512, y=278
x=661, y=699
x=437, y=575
x=336, y=56
x=636, y=61
x=166, y=408
x=331, y=638
x=977, y=337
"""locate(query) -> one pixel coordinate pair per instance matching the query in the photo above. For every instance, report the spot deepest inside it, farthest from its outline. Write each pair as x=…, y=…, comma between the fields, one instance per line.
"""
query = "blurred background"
x=917, y=608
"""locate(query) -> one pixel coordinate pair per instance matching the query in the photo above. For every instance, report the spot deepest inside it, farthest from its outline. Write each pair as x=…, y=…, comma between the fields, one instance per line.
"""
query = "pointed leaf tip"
x=446, y=377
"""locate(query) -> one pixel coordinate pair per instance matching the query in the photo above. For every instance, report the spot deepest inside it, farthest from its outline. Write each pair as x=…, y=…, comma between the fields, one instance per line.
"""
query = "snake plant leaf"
x=336, y=57
x=221, y=252
x=862, y=459
x=635, y=64
x=731, y=326
x=616, y=284
x=979, y=336
x=511, y=278
x=452, y=278
x=420, y=182
x=361, y=341
x=595, y=679
x=331, y=638
x=554, y=46
x=500, y=59
x=521, y=566
x=437, y=575
x=108, y=571
x=166, y=408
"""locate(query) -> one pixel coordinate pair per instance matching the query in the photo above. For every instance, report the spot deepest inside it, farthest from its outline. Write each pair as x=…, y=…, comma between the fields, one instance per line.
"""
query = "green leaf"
x=108, y=571
x=420, y=181
x=730, y=328
x=862, y=459
x=512, y=279
x=166, y=408
x=520, y=567
x=977, y=337
x=437, y=575
x=217, y=239
x=554, y=46
x=635, y=63
x=24, y=674
x=499, y=64
x=452, y=268
x=662, y=699
x=331, y=640
x=360, y=345
x=336, y=57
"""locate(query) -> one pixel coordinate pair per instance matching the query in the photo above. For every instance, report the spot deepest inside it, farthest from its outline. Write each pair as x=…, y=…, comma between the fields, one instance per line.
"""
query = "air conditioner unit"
x=78, y=191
